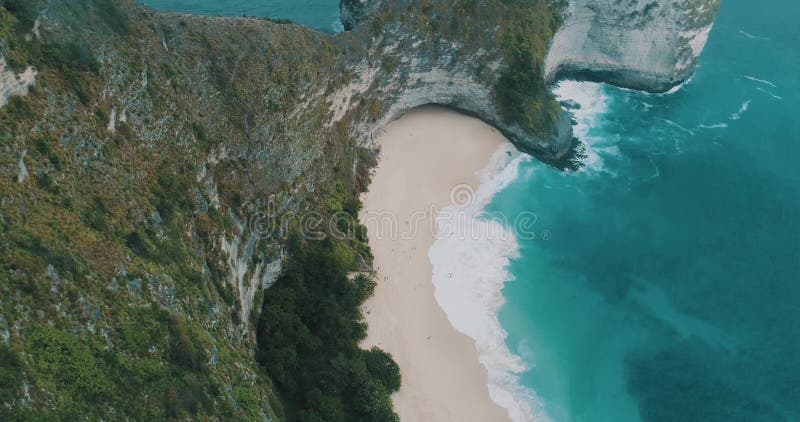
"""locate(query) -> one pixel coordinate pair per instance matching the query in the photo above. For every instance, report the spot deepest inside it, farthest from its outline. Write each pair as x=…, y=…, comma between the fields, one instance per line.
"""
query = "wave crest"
x=469, y=275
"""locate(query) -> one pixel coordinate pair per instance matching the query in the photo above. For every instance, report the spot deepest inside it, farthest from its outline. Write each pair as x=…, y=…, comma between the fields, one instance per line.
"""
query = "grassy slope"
x=112, y=270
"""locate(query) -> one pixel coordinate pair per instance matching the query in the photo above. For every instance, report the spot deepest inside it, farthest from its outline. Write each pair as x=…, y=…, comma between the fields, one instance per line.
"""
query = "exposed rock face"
x=352, y=11
x=12, y=83
x=429, y=80
x=409, y=65
x=444, y=73
x=638, y=44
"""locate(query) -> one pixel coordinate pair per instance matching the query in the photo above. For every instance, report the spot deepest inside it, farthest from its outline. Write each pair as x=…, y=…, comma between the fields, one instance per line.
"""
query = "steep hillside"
x=645, y=45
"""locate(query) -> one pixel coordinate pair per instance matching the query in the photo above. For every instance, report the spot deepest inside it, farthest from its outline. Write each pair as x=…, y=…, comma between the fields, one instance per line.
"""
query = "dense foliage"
x=157, y=370
x=106, y=311
x=521, y=92
x=308, y=337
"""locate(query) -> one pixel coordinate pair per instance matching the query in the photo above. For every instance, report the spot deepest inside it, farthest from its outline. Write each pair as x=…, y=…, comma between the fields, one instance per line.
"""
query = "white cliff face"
x=423, y=71
x=14, y=83
x=248, y=274
x=650, y=45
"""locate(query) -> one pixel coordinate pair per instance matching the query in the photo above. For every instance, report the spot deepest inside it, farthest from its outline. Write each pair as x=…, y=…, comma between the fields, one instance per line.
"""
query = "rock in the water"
x=638, y=44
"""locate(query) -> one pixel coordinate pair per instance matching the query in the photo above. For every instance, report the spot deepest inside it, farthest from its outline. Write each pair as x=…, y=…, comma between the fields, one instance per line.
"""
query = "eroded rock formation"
x=639, y=44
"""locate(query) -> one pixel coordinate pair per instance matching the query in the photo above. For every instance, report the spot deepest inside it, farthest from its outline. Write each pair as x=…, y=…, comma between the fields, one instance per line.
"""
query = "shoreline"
x=426, y=156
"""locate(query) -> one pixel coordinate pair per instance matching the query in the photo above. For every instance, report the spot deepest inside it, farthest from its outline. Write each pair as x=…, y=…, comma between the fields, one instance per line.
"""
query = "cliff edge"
x=639, y=44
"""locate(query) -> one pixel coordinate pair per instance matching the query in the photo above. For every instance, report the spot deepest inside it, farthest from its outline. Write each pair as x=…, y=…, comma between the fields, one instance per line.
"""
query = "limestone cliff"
x=640, y=44
x=428, y=59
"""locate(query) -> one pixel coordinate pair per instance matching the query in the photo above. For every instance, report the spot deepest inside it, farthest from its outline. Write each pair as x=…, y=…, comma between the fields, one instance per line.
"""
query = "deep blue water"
x=319, y=14
x=669, y=288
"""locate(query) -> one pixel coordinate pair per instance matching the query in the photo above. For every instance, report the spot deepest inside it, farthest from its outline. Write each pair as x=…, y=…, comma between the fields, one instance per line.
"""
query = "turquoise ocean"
x=663, y=282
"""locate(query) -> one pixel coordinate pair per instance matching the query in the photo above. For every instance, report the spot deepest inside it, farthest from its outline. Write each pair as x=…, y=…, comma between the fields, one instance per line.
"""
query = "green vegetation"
x=119, y=285
x=73, y=59
x=308, y=336
x=23, y=14
x=521, y=92
x=155, y=369
x=11, y=369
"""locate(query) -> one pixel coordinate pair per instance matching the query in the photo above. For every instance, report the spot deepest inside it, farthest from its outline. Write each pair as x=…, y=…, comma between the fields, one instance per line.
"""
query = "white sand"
x=423, y=156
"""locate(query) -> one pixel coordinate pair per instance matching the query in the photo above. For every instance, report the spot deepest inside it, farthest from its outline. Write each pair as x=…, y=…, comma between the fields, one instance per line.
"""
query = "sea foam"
x=593, y=103
x=751, y=36
x=678, y=87
x=761, y=81
x=473, y=251
x=743, y=109
x=677, y=126
x=777, y=97
x=470, y=260
x=714, y=126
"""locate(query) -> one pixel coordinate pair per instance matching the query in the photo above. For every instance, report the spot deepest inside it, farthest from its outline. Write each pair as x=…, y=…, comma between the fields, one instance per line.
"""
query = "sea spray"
x=629, y=311
x=743, y=109
x=593, y=102
x=470, y=261
x=473, y=251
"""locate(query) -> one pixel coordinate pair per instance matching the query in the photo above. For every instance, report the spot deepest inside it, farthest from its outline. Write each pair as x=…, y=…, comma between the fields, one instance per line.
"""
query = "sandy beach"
x=424, y=155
